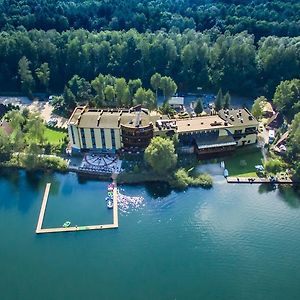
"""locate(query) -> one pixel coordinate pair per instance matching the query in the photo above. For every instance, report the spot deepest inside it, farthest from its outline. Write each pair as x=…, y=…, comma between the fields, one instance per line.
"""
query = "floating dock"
x=114, y=225
x=255, y=180
x=43, y=208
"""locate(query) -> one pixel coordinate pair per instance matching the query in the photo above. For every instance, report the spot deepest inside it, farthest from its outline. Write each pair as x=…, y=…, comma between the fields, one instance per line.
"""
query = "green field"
x=243, y=161
x=54, y=137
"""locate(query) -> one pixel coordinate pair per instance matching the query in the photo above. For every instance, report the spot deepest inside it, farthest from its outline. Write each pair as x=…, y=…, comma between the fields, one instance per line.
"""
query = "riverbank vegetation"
x=27, y=143
x=161, y=156
x=161, y=163
x=286, y=101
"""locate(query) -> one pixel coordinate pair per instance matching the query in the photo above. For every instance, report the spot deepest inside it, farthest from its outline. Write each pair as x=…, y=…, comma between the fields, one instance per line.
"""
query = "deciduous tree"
x=160, y=155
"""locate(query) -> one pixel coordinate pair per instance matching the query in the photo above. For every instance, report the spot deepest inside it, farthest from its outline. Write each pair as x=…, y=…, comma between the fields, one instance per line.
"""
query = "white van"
x=271, y=136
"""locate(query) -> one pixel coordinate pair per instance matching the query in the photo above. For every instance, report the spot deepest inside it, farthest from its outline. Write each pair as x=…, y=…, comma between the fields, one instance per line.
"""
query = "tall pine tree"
x=219, y=100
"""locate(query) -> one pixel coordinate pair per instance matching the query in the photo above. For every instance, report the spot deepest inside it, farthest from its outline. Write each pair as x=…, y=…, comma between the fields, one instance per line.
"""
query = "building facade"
x=108, y=130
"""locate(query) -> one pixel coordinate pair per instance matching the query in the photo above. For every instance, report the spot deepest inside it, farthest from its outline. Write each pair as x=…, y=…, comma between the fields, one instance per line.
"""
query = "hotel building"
x=108, y=130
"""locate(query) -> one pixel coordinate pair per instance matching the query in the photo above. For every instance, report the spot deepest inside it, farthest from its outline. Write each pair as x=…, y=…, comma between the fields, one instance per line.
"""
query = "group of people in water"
x=127, y=202
x=124, y=202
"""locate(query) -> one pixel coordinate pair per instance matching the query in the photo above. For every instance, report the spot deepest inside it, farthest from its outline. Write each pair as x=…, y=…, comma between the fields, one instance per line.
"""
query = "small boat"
x=109, y=204
x=67, y=224
x=107, y=198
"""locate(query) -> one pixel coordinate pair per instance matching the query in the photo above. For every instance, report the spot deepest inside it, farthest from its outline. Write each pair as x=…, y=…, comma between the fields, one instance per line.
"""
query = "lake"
x=229, y=242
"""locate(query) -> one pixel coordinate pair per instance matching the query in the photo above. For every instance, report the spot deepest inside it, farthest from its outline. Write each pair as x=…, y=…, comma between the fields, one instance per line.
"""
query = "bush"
x=274, y=166
x=181, y=180
x=203, y=180
x=51, y=162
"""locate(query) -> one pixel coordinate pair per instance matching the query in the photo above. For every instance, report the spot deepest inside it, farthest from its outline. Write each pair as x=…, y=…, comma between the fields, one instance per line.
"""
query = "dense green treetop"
x=258, y=106
x=260, y=17
x=294, y=138
x=160, y=155
x=287, y=98
x=192, y=59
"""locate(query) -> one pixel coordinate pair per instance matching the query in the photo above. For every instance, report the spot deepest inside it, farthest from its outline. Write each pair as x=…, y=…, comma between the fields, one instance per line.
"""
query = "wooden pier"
x=43, y=208
x=257, y=180
x=114, y=225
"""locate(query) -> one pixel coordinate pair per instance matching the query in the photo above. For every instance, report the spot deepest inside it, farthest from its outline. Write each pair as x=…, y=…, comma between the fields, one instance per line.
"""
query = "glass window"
x=93, y=137
x=113, y=138
x=103, y=138
x=73, y=136
x=83, y=138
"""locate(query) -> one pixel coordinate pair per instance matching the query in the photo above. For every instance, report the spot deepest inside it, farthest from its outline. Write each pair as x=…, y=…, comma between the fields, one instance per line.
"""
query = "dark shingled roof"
x=238, y=117
x=220, y=141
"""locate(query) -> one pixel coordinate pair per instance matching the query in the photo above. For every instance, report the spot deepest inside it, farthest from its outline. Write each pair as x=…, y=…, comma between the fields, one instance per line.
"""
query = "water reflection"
x=158, y=189
x=266, y=188
x=12, y=176
x=33, y=178
x=289, y=196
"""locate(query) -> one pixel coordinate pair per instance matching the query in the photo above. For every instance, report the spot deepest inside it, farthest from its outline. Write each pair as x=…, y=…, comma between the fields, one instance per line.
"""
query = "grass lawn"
x=242, y=163
x=54, y=137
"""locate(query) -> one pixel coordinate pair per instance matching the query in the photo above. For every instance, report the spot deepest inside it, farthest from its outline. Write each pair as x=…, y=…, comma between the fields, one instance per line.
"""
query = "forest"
x=258, y=17
x=210, y=60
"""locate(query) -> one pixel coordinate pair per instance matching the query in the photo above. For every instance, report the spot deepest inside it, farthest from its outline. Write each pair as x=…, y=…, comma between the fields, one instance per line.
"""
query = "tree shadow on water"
x=10, y=178
x=287, y=194
x=290, y=195
x=33, y=179
x=158, y=189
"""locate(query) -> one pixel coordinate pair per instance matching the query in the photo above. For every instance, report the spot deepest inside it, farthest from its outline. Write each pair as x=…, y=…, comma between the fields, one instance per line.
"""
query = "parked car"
x=261, y=128
x=52, y=122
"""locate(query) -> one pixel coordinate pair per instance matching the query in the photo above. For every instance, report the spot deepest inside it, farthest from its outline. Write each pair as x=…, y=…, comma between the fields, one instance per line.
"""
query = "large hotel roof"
x=113, y=118
x=199, y=123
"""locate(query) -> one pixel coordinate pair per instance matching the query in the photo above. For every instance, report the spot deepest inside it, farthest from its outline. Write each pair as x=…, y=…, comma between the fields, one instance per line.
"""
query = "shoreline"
x=135, y=179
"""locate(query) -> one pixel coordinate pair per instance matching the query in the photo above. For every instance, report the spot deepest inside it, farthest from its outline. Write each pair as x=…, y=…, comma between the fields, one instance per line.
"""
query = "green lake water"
x=229, y=242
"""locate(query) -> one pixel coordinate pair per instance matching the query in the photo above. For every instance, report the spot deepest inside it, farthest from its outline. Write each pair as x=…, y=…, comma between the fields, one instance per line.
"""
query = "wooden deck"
x=43, y=208
x=257, y=180
x=114, y=225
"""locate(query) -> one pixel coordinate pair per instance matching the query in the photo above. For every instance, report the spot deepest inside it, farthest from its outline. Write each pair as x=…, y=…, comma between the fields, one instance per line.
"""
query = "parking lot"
x=44, y=108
